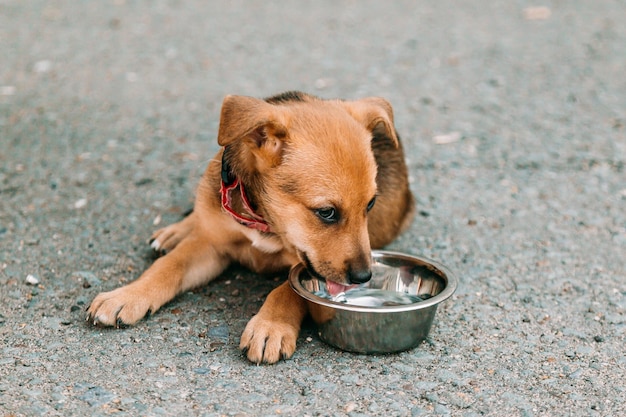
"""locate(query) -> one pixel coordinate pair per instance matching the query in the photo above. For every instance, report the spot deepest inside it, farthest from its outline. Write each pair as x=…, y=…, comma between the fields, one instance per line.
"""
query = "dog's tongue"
x=334, y=288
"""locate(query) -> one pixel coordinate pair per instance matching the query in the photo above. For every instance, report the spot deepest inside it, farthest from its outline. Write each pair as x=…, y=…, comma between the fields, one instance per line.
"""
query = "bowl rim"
x=443, y=271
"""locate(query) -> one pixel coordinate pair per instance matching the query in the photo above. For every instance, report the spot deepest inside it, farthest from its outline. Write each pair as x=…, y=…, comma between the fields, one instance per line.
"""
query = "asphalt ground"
x=513, y=116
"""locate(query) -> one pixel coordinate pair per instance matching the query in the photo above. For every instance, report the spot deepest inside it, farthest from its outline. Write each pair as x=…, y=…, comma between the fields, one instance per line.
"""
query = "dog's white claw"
x=155, y=244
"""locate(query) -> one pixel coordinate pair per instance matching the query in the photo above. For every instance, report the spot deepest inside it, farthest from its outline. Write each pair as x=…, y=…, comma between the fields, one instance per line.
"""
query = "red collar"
x=229, y=184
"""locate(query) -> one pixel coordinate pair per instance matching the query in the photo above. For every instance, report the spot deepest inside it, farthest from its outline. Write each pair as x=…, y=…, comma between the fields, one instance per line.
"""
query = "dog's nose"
x=359, y=277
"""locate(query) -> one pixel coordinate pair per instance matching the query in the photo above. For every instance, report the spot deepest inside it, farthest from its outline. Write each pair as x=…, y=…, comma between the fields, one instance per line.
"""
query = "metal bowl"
x=384, y=328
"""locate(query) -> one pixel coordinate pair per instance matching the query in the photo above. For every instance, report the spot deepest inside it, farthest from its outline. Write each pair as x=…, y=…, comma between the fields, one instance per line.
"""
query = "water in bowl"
x=372, y=297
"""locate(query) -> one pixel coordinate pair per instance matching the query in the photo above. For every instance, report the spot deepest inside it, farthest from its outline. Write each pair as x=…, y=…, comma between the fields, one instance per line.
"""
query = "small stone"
x=537, y=13
x=78, y=204
x=132, y=77
x=598, y=339
x=7, y=361
x=418, y=411
x=7, y=90
x=52, y=323
x=97, y=396
x=349, y=379
x=374, y=407
x=220, y=333
x=16, y=294
x=42, y=66
x=576, y=374
x=323, y=83
x=213, y=346
x=350, y=407
x=88, y=279
x=447, y=138
x=32, y=280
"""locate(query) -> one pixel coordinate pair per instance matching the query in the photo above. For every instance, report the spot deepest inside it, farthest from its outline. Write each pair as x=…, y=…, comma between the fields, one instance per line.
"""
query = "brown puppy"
x=296, y=181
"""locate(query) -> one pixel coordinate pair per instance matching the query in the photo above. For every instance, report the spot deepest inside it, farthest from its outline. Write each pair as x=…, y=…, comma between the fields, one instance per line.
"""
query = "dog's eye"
x=371, y=204
x=327, y=214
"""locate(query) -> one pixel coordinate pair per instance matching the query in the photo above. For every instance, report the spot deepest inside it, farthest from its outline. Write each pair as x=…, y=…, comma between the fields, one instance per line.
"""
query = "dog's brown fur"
x=295, y=154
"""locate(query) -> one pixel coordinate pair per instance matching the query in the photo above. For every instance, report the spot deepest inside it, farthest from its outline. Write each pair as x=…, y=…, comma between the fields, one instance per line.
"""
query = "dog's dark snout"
x=359, y=277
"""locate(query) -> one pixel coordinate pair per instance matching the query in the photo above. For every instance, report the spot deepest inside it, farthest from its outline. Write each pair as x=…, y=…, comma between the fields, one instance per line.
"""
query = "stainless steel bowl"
x=380, y=329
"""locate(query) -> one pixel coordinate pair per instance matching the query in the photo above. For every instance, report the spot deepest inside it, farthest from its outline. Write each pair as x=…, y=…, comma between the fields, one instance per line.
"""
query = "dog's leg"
x=193, y=262
x=273, y=332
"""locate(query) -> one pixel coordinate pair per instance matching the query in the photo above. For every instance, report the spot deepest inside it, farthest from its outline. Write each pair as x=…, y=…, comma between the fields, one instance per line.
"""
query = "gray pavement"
x=514, y=121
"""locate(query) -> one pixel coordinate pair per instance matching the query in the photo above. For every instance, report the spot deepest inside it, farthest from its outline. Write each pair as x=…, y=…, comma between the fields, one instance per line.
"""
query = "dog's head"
x=310, y=166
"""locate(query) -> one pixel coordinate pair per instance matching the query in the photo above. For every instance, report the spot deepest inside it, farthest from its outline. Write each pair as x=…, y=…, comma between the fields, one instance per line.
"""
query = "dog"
x=298, y=179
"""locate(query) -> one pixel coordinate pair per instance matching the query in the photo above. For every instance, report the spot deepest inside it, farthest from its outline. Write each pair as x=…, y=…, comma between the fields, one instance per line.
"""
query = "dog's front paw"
x=165, y=240
x=267, y=341
x=121, y=307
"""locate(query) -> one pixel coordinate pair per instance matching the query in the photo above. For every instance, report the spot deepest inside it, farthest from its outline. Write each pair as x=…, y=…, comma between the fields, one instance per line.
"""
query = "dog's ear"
x=376, y=114
x=256, y=126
